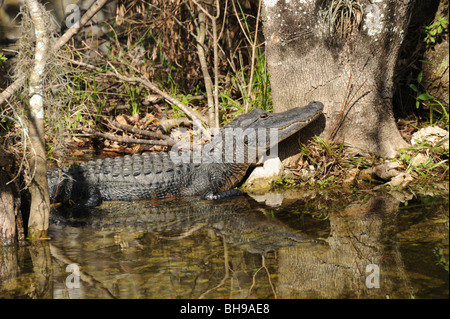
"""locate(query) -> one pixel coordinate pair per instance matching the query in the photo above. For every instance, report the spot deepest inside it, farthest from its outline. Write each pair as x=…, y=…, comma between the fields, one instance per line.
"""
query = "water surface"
x=292, y=245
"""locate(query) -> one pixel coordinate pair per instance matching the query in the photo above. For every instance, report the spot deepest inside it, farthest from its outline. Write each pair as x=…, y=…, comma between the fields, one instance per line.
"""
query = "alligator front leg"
x=94, y=198
x=225, y=194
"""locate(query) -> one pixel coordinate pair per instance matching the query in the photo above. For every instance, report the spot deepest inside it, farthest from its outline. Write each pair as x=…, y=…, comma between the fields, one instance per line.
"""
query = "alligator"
x=157, y=175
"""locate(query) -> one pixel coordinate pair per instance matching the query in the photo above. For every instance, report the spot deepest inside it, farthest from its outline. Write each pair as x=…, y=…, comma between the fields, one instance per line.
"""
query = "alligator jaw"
x=276, y=127
x=295, y=119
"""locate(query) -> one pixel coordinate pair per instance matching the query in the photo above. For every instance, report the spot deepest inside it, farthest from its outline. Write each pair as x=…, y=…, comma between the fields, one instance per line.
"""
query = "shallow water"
x=290, y=245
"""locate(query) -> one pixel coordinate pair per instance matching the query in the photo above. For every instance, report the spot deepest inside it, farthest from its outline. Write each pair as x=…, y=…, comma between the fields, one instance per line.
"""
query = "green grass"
x=436, y=164
x=438, y=113
x=236, y=95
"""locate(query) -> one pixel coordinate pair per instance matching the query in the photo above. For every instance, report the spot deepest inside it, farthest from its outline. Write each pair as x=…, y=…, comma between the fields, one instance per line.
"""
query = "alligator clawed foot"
x=225, y=194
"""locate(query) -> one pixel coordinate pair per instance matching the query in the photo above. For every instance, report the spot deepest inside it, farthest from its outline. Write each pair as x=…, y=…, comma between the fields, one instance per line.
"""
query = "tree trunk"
x=435, y=67
x=322, y=51
x=40, y=201
x=7, y=212
x=11, y=226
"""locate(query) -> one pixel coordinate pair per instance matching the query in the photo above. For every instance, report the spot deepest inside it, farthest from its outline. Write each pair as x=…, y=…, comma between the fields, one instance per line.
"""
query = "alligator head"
x=250, y=135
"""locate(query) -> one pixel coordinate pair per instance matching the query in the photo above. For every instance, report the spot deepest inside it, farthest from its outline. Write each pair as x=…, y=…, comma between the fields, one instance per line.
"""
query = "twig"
x=95, y=7
x=214, y=114
x=345, y=108
x=16, y=85
x=263, y=259
x=127, y=140
x=200, y=38
x=167, y=124
x=140, y=132
x=185, y=108
x=250, y=86
x=58, y=254
x=239, y=21
x=216, y=66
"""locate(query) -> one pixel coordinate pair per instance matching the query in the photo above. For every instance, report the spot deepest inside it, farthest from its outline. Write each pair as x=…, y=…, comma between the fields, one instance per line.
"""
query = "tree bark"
x=40, y=201
x=11, y=225
x=435, y=67
x=345, y=63
x=7, y=212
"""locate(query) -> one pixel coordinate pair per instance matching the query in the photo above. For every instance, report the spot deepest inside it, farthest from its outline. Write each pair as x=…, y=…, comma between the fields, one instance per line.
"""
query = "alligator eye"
x=264, y=116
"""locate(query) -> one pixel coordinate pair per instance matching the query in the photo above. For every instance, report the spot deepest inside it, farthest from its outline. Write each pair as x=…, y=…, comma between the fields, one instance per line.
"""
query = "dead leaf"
x=121, y=119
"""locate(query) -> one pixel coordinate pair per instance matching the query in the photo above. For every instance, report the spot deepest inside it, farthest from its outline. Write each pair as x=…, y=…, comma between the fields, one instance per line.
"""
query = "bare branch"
x=95, y=7
x=127, y=140
x=213, y=98
x=201, y=33
x=250, y=86
x=134, y=130
x=17, y=84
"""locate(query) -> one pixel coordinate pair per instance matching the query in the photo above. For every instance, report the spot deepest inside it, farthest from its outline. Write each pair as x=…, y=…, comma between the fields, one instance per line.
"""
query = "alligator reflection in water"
x=177, y=248
x=240, y=221
x=306, y=248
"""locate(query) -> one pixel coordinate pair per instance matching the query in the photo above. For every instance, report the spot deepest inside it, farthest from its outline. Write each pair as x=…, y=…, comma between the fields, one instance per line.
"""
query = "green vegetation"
x=426, y=101
x=435, y=31
x=342, y=16
x=442, y=260
x=168, y=57
x=433, y=164
x=2, y=57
